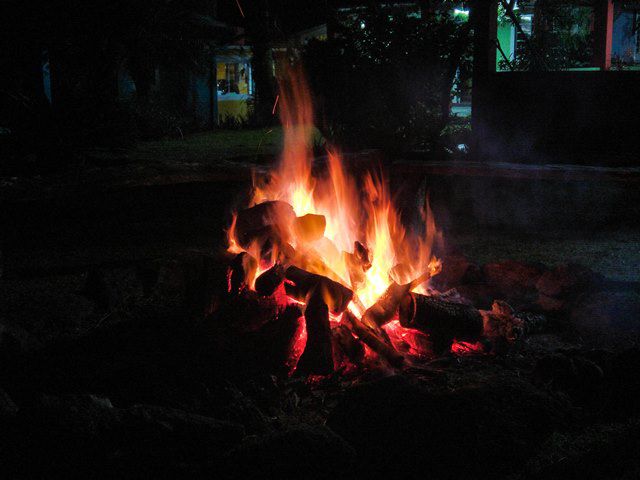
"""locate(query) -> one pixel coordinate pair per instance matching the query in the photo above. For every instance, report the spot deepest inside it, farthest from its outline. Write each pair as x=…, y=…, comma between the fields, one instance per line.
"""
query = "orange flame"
x=354, y=211
x=355, y=208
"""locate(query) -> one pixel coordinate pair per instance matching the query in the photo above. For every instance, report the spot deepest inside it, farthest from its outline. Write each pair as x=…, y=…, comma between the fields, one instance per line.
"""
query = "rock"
x=439, y=433
x=550, y=304
x=565, y=280
x=456, y=270
x=514, y=280
x=299, y=452
x=478, y=295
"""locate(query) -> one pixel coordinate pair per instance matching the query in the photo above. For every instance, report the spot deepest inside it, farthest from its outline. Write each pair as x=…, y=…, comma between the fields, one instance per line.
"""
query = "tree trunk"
x=258, y=26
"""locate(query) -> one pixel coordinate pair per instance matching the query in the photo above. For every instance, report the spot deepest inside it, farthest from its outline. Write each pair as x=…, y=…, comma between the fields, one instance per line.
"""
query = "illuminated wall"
x=234, y=84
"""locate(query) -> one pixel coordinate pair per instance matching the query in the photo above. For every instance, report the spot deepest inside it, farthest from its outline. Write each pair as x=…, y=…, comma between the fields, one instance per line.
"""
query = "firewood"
x=443, y=321
x=300, y=284
x=354, y=267
x=372, y=338
x=310, y=227
x=242, y=270
x=357, y=264
x=317, y=358
x=347, y=344
x=386, y=306
x=270, y=280
x=363, y=255
x=503, y=324
x=310, y=261
x=265, y=240
x=264, y=214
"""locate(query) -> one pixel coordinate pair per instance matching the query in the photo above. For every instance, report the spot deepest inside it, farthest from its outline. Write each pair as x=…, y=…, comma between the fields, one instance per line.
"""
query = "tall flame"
x=355, y=208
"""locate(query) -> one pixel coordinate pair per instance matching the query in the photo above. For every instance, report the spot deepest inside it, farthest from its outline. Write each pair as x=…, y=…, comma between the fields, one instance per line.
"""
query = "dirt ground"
x=119, y=379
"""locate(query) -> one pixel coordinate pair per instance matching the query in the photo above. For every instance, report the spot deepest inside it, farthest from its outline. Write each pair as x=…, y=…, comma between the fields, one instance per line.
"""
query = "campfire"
x=332, y=243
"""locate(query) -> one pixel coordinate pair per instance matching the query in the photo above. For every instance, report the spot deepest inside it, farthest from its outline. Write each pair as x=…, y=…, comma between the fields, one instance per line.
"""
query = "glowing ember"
x=466, y=348
x=365, y=247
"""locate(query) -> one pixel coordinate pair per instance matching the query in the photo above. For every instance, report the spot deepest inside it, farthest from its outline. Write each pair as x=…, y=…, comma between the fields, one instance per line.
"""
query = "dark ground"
x=165, y=401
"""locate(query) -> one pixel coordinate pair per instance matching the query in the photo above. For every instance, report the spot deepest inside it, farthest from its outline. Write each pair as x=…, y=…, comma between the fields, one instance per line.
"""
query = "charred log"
x=346, y=344
x=443, y=321
x=301, y=284
x=387, y=305
x=268, y=282
x=502, y=325
x=372, y=338
x=262, y=215
x=317, y=358
x=266, y=239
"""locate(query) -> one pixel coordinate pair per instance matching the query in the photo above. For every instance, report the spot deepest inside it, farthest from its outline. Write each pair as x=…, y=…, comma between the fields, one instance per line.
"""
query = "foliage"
x=87, y=43
x=560, y=39
x=386, y=78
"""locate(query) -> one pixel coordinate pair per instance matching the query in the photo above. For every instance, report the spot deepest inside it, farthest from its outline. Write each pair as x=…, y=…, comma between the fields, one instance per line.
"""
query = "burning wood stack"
x=339, y=328
x=333, y=245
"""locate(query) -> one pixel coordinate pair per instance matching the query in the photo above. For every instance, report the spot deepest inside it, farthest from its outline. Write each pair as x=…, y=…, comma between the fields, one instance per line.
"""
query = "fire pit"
x=331, y=243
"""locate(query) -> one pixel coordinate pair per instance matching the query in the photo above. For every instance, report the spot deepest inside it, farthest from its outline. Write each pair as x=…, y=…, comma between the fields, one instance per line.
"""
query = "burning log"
x=302, y=284
x=268, y=282
x=242, y=271
x=362, y=254
x=443, y=321
x=317, y=358
x=262, y=215
x=371, y=337
x=357, y=263
x=266, y=239
x=356, y=273
x=310, y=228
x=310, y=261
x=347, y=344
x=386, y=307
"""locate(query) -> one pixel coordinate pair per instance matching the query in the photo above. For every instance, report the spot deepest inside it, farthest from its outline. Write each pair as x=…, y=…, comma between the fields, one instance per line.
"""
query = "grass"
x=211, y=146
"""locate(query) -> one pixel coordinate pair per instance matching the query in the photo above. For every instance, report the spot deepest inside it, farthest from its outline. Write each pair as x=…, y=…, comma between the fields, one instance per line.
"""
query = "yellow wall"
x=234, y=102
x=234, y=108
